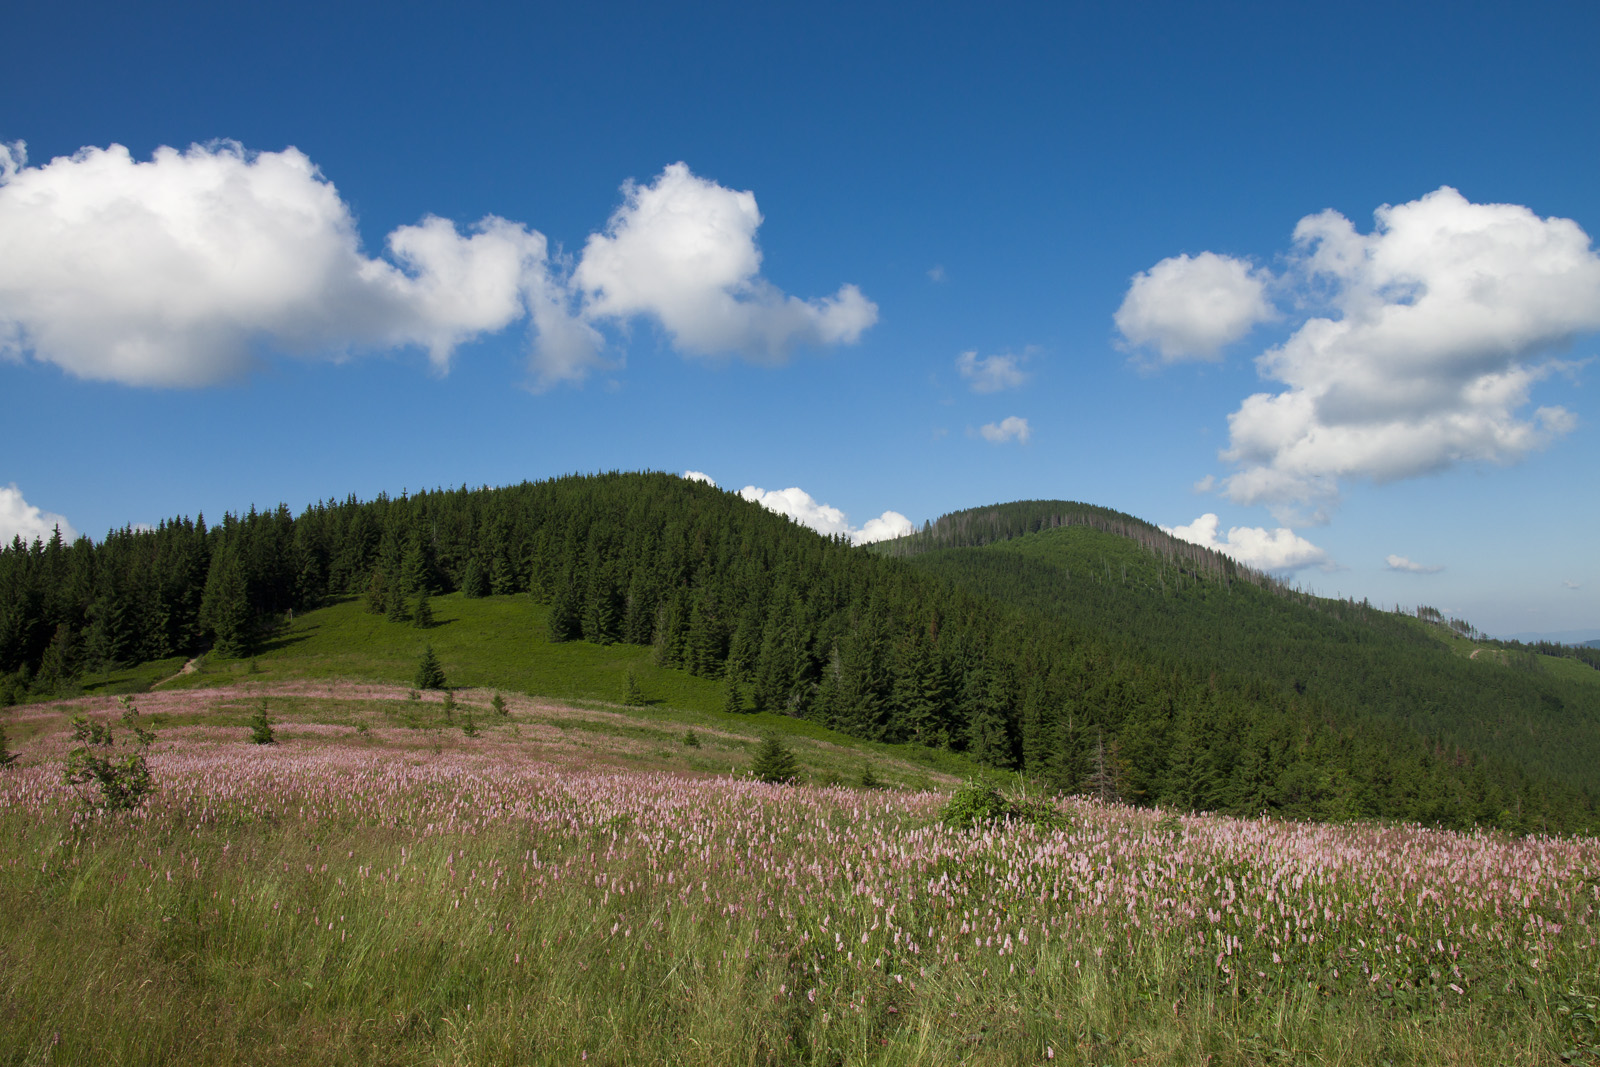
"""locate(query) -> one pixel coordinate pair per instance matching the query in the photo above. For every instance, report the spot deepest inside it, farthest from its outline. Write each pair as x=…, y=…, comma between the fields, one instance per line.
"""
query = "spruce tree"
x=7, y=757
x=633, y=696
x=225, y=608
x=377, y=593
x=397, y=607
x=732, y=702
x=774, y=762
x=566, y=614
x=422, y=613
x=499, y=705
x=474, y=583
x=430, y=675
x=261, y=732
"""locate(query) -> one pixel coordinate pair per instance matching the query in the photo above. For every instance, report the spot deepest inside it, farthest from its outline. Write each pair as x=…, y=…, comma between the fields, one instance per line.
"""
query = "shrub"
x=774, y=763
x=120, y=781
x=978, y=800
x=691, y=739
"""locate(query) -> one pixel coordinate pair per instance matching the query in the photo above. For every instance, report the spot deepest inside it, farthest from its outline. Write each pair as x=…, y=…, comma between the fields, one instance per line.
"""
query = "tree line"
x=792, y=622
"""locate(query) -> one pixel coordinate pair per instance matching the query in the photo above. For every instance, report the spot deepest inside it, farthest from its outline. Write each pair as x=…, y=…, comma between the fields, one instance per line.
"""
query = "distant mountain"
x=1166, y=602
x=1591, y=638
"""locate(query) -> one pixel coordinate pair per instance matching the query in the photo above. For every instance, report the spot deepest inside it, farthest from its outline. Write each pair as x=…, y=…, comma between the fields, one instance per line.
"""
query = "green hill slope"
x=1105, y=658
x=1541, y=712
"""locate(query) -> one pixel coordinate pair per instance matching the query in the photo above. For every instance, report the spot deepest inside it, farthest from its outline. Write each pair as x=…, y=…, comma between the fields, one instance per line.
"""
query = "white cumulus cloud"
x=803, y=508
x=18, y=518
x=174, y=271
x=185, y=269
x=1268, y=550
x=683, y=251
x=1406, y=566
x=699, y=476
x=1190, y=308
x=1010, y=428
x=991, y=373
x=1439, y=323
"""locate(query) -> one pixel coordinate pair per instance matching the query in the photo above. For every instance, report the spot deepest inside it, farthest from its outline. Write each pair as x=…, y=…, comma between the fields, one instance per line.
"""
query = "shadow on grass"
x=283, y=641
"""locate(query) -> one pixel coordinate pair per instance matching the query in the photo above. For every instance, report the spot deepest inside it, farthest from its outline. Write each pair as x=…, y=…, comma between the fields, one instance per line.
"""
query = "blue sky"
x=1075, y=228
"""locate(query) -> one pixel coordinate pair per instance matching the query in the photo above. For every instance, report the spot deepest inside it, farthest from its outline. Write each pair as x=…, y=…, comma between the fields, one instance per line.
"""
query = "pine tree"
x=422, y=613
x=633, y=696
x=397, y=606
x=474, y=583
x=732, y=702
x=225, y=608
x=499, y=705
x=566, y=614
x=7, y=757
x=774, y=763
x=430, y=675
x=377, y=593
x=59, y=665
x=261, y=732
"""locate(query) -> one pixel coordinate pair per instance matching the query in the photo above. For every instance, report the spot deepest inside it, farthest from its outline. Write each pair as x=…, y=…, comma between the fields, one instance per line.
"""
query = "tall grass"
x=367, y=899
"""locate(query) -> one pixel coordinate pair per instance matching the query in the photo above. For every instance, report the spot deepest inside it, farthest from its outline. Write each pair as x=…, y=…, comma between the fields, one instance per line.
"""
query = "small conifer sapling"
x=499, y=705
x=261, y=732
x=429, y=674
x=774, y=763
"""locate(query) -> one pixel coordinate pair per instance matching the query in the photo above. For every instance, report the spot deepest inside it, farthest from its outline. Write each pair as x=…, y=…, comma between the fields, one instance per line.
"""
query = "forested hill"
x=971, y=652
x=1161, y=601
x=976, y=527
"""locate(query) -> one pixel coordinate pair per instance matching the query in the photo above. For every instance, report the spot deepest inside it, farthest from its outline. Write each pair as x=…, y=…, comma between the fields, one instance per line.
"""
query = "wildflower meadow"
x=365, y=892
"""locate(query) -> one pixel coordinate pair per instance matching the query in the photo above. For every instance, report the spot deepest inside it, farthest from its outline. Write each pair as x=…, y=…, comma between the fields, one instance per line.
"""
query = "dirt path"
x=189, y=668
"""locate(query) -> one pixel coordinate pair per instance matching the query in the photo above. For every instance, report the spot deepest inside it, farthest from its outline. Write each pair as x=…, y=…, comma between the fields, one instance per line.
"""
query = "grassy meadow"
x=398, y=881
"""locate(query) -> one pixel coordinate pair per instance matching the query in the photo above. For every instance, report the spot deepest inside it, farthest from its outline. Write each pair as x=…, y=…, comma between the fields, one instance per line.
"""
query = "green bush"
x=978, y=800
x=120, y=781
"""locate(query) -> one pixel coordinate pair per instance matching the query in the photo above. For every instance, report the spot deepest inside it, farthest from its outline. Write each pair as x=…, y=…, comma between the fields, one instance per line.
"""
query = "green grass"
x=502, y=643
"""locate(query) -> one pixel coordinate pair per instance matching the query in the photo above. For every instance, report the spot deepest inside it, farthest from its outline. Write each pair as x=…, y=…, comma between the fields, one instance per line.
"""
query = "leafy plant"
x=774, y=762
x=120, y=778
x=979, y=800
x=975, y=800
